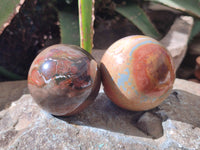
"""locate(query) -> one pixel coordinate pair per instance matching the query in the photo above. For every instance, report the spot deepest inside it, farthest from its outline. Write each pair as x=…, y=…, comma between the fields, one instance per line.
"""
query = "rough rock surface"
x=10, y=91
x=150, y=124
x=103, y=125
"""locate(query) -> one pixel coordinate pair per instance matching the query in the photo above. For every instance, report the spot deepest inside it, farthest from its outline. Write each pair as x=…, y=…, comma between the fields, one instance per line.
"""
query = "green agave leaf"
x=9, y=74
x=68, y=1
x=69, y=26
x=8, y=9
x=86, y=20
x=189, y=6
x=195, y=29
x=138, y=17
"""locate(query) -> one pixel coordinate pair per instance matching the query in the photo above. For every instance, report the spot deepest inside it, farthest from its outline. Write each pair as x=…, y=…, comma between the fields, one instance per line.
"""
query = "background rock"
x=188, y=86
x=176, y=40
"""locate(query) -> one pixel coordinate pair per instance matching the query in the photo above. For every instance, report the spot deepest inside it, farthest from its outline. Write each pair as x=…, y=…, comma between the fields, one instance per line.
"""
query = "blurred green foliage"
x=133, y=12
x=76, y=18
x=7, y=10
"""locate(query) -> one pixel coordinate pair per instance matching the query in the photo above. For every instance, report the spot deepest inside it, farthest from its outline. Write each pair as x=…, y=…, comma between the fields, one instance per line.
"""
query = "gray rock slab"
x=188, y=86
x=105, y=126
x=97, y=54
x=10, y=91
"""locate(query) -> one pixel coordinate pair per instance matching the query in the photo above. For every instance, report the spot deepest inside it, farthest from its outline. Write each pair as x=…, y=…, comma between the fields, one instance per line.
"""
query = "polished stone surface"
x=137, y=73
x=64, y=79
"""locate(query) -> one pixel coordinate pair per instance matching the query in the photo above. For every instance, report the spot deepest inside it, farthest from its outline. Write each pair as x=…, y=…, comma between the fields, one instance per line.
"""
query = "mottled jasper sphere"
x=64, y=79
x=137, y=73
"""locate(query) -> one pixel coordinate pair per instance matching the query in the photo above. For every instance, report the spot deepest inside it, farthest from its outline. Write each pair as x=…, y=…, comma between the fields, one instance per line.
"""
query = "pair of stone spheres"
x=137, y=73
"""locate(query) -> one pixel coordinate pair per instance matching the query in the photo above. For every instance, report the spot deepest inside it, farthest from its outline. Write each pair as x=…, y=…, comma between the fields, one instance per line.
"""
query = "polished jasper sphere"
x=137, y=73
x=64, y=79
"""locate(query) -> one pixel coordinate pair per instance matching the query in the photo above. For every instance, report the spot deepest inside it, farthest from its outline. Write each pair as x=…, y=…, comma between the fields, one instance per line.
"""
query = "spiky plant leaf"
x=86, y=20
x=190, y=6
x=10, y=75
x=138, y=17
x=8, y=9
x=69, y=28
x=195, y=29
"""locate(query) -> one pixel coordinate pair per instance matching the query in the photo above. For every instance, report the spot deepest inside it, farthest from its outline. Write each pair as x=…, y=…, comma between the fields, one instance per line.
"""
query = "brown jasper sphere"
x=64, y=79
